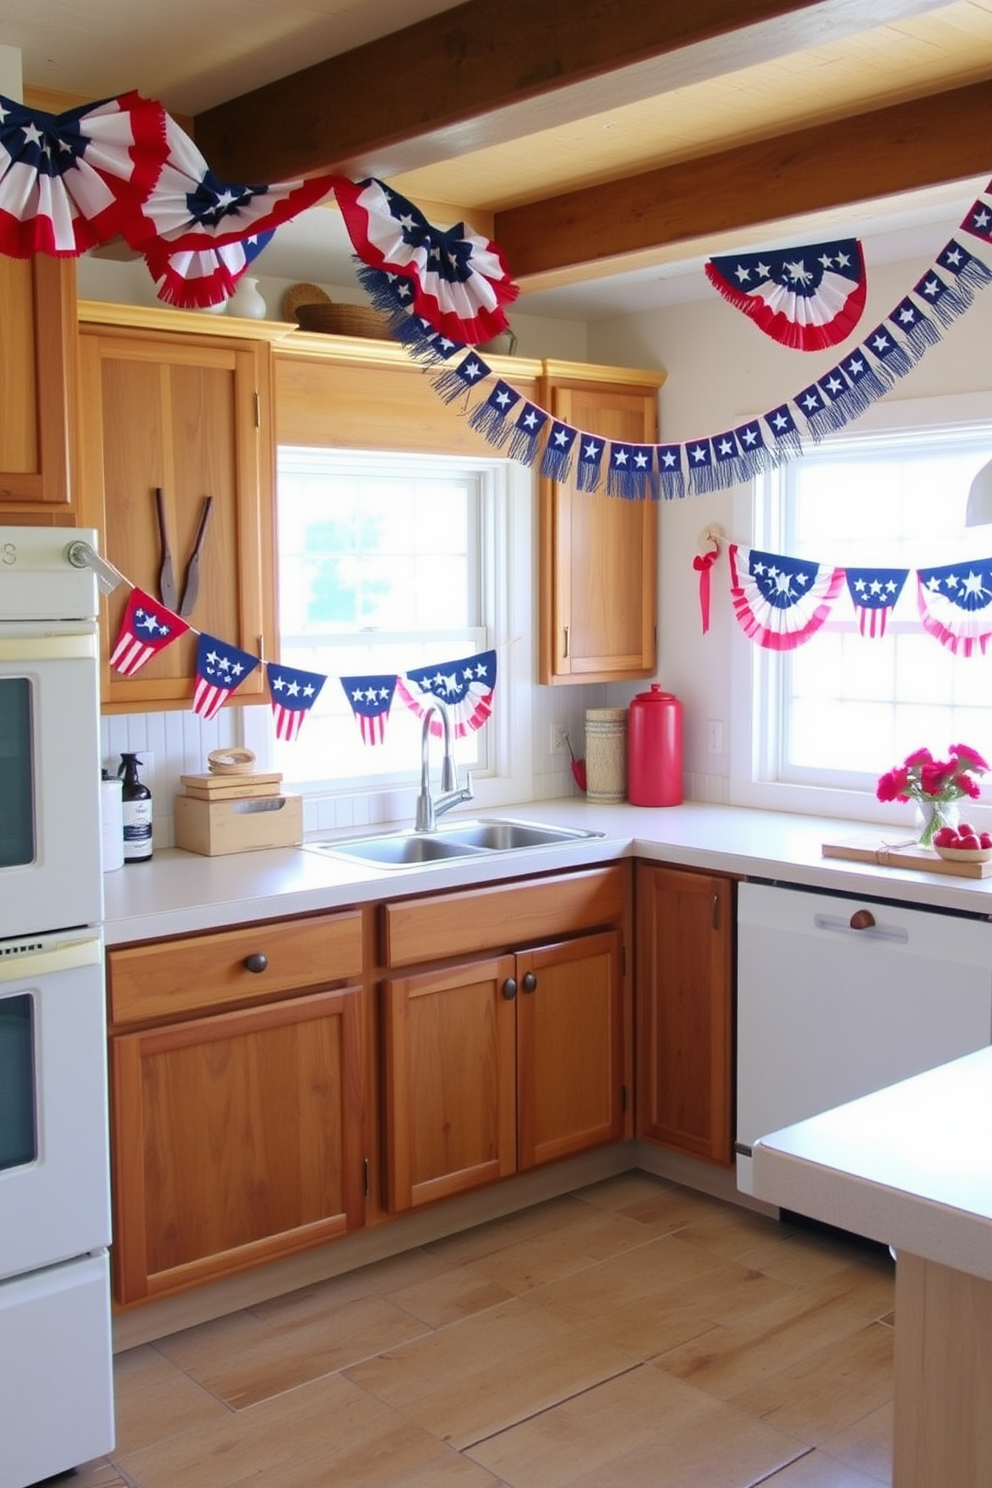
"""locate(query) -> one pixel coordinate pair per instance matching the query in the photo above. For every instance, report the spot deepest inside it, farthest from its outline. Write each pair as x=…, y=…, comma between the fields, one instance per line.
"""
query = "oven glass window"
x=17, y=844
x=18, y=1124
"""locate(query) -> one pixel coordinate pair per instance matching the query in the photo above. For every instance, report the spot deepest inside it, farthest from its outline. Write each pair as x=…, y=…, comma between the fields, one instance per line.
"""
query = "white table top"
x=910, y=1165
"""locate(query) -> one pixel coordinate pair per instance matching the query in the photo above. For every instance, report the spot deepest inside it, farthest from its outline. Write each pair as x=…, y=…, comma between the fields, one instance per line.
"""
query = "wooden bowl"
x=964, y=854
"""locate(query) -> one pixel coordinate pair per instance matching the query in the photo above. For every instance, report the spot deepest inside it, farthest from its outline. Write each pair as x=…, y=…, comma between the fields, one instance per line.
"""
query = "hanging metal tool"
x=166, y=578
x=191, y=583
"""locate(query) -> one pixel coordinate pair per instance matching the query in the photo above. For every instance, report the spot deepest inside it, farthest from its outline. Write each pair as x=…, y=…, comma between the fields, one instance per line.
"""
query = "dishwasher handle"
x=862, y=924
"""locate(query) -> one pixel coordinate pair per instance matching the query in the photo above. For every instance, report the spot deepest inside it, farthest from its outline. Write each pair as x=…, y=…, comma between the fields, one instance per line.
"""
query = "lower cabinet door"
x=569, y=1047
x=235, y=1139
x=449, y=1048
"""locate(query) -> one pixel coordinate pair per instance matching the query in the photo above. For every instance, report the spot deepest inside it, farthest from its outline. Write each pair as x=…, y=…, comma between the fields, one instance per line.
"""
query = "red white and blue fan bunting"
x=293, y=695
x=147, y=627
x=220, y=670
x=466, y=686
x=206, y=276
x=780, y=602
x=71, y=181
x=456, y=280
x=192, y=211
x=874, y=592
x=807, y=298
x=370, y=699
x=955, y=603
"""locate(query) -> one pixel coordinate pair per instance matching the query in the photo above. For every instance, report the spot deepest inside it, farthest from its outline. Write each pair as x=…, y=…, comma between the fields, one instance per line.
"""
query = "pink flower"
x=935, y=775
x=970, y=786
x=918, y=757
x=973, y=760
x=892, y=785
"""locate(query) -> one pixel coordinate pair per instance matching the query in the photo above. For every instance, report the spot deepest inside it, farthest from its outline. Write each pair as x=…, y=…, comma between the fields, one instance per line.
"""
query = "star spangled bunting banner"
x=147, y=627
x=460, y=281
x=466, y=685
x=874, y=592
x=955, y=604
x=220, y=670
x=71, y=181
x=806, y=298
x=192, y=211
x=370, y=699
x=207, y=276
x=293, y=695
x=780, y=602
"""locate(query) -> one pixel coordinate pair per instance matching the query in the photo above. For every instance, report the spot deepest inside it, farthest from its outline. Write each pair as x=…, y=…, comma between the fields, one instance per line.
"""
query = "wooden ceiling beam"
x=908, y=147
x=489, y=71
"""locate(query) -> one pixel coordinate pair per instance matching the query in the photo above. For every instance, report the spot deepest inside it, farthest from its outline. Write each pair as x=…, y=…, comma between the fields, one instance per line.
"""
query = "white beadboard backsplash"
x=178, y=743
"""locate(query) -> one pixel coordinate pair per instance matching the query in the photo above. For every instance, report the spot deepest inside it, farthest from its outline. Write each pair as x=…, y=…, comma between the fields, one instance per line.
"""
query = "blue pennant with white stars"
x=874, y=592
x=466, y=686
x=370, y=699
x=220, y=670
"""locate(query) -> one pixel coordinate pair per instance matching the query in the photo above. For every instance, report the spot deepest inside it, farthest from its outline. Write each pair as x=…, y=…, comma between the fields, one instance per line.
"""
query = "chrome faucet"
x=429, y=807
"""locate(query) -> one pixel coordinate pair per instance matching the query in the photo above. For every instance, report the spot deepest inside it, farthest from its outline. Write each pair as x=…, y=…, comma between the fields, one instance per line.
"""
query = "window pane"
x=845, y=707
x=380, y=562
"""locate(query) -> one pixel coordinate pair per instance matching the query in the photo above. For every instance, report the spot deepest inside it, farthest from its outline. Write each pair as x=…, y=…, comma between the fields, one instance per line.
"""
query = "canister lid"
x=657, y=694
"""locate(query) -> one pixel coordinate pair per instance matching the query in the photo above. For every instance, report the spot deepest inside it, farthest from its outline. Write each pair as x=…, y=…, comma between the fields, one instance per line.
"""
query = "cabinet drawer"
x=509, y=914
x=204, y=972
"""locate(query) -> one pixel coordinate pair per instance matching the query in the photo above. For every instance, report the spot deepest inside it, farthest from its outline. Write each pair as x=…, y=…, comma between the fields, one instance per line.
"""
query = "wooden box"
x=215, y=827
x=232, y=787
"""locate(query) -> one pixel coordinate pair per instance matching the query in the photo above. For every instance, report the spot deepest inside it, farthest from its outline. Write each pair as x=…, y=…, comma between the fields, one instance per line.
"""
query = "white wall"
x=721, y=371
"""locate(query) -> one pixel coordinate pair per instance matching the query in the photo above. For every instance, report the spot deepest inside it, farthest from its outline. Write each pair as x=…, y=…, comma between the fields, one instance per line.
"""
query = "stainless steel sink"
x=505, y=836
x=458, y=840
x=402, y=850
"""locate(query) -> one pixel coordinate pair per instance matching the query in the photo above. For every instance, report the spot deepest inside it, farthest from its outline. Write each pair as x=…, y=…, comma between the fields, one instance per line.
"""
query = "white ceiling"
x=194, y=54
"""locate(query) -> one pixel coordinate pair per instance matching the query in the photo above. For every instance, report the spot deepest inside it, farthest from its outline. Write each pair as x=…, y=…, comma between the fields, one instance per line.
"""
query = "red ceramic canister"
x=654, y=749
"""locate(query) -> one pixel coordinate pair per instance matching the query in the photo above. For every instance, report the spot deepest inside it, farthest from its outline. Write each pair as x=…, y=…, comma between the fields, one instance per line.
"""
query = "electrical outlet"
x=714, y=736
x=559, y=739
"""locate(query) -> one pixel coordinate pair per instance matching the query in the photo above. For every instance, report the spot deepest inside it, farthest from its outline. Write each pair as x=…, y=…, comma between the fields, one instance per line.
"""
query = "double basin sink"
x=470, y=839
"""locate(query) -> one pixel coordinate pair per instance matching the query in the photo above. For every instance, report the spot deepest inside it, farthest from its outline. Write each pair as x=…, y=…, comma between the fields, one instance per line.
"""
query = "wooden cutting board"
x=867, y=847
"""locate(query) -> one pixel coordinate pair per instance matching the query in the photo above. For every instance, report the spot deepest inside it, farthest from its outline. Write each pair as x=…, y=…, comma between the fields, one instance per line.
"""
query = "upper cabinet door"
x=599, y=553
x=37, y=388
x=187, y=416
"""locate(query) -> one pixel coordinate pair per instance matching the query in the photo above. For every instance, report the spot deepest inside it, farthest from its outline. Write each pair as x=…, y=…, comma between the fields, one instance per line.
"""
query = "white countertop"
x=910, y=1165
x=179, y=892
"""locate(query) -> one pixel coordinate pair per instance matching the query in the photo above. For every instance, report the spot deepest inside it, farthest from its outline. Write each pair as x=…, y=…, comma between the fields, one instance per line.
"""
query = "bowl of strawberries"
x=963, y=844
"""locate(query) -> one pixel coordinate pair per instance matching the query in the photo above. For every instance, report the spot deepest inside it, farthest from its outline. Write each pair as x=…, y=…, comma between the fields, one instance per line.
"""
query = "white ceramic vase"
x=247, y=300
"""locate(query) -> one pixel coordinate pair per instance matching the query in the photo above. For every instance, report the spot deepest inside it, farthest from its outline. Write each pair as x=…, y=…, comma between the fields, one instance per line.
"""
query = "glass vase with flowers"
x=935, y=785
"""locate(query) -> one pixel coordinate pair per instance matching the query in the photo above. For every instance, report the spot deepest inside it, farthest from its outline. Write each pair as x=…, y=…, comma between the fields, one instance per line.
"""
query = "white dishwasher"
x=838, y=996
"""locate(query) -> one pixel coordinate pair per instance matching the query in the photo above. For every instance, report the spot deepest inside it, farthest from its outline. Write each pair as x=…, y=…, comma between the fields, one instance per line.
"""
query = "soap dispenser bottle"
x=137, y=812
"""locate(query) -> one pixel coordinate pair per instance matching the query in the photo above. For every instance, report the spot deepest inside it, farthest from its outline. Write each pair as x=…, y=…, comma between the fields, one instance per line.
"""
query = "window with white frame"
x=827, y=718
x=385, y=563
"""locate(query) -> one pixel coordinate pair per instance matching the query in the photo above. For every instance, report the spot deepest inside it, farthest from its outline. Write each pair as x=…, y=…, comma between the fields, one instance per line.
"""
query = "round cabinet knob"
x=257, y=961
x=862, y=919
x=510, y=989
x=529, y=982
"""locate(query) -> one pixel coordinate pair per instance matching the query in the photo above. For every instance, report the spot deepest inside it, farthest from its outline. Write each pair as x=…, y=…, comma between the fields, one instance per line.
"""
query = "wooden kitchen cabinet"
x=169, y=404
x=598, y=553
x=237, y=1118
x=684, y=1010
x=496, y=1064
x=37, y=389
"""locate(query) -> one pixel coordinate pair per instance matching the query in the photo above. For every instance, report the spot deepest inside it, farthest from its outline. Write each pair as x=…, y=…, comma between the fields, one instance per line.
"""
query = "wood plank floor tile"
x=326, y=1432
x=589, y=1237
x=547, y=1218
x=804, y=1256
x=487, y=1372
x=154, y=1399
x=866, y=1445
x=819, y=1470
x=729, y=1359
x=378, y=1279
x=458, y=1292
x=827, y=1390
x=660, y=1295
x=640, y=1430
x=244, y=1358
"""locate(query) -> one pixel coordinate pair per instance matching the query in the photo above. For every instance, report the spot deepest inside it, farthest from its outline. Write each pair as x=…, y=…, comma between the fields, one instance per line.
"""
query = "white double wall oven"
x=56, y=1400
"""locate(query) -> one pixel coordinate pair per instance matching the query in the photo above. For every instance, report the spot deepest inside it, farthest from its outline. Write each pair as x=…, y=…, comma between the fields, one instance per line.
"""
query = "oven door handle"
x=65, y=955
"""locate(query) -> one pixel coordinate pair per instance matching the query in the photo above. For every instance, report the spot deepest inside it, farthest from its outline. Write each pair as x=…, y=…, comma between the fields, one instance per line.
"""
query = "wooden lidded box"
x=241, y=824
